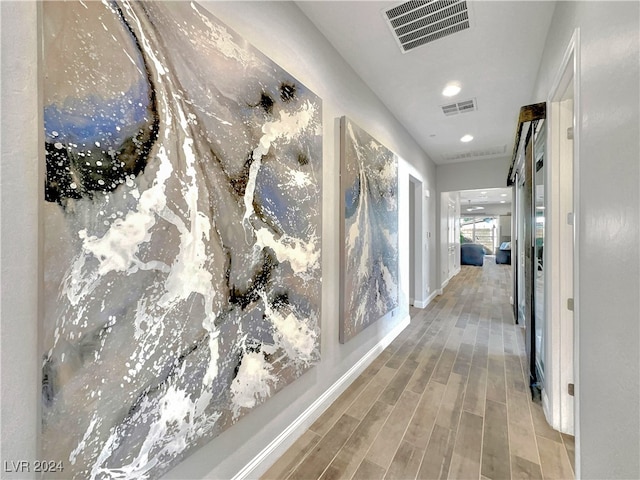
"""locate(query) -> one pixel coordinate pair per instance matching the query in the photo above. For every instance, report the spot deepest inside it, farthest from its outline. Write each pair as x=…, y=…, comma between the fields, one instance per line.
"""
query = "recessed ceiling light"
x=466, y=138
x=503, y=194
x=503, y=201
x=483, y=193
x=451, y=90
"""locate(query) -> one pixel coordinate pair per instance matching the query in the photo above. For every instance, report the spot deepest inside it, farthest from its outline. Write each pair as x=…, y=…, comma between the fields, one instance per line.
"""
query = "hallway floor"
x=446, y=399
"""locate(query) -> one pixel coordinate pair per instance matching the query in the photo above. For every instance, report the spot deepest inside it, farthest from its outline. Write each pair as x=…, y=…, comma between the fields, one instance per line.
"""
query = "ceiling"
x=488, y=199
x=495, y=61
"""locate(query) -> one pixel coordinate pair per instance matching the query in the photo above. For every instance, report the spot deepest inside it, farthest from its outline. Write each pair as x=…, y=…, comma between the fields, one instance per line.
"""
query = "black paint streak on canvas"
x=260, y=282
x=83, y=352
x=239, y=182
x=49, y=380
x=265, y=102
x=303, y=159
x=287, y=92
x=167, y=374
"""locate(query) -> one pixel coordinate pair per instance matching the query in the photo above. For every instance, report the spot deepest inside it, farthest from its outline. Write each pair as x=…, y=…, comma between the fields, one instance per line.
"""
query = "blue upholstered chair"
x=472, y=254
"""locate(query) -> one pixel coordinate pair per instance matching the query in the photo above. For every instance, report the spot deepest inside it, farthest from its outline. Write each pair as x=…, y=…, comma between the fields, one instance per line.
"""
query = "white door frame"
x=418, y=294
x=561, y=362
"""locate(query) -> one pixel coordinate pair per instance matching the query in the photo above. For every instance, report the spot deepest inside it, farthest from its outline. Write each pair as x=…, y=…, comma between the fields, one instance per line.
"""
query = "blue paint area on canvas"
x=95, y=119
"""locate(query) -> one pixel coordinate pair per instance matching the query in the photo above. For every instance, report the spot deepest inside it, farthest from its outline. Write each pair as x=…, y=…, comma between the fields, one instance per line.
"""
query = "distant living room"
x=482, y=236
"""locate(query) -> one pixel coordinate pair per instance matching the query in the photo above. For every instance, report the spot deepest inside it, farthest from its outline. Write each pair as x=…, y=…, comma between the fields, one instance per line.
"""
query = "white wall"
x=20, y=190
x=473, y=175
x=282, y=32
x=608, y=282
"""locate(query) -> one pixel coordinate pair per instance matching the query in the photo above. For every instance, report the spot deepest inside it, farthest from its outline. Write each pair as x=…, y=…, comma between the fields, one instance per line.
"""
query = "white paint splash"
x=223, y=40
x=302, y=256
x=291, y=333
x=179, y=420
x=80, y=447
x=297, y=179
x=253, y=382
x=287, y=126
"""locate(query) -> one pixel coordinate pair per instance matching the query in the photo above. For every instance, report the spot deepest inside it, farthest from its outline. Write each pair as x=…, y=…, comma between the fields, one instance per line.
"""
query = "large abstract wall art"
x=182, y=229
x=369, y=254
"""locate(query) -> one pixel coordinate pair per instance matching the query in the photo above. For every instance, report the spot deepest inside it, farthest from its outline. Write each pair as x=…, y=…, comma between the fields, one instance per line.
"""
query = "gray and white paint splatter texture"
x=182, y=233
x=369, y=173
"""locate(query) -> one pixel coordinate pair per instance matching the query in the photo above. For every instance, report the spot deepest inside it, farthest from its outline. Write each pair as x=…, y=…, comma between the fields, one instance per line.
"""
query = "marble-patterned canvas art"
x=369, y=256
x=182, y=229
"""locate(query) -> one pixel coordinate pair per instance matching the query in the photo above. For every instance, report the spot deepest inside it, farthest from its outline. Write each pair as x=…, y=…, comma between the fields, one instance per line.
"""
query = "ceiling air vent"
x=475, y=154
x=418, y=22
x=464, y=106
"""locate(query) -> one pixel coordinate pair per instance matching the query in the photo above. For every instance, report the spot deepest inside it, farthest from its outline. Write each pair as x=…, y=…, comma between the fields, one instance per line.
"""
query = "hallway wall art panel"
x=182, y=229
x=369, y=254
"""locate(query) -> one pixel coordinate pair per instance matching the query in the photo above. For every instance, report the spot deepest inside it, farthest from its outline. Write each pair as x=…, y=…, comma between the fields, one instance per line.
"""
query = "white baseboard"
x=432, y=296
x=424, y=303
x=445, y=283
x=267, y=457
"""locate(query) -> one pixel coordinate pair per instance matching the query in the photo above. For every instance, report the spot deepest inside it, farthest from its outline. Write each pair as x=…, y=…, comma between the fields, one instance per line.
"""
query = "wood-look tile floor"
x=447, y=399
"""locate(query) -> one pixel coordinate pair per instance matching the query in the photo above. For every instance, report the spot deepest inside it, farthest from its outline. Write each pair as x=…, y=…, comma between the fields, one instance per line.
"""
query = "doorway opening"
x=418, y=290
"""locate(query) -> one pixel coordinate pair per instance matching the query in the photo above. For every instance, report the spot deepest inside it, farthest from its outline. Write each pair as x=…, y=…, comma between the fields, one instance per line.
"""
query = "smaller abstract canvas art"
x=369, y=230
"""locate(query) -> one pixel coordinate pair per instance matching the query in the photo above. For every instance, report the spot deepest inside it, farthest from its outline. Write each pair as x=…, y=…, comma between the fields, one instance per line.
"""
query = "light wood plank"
x=449, y=414
x=419, y=430
x=465, y=461
x=553, y=460
x=542, y=428
x=347, y=460
x=386, y=443
x=522, y=469
x=437, y=457
x=495, y=443
x=392, y=393
x=369, y=471
x=323, y=453
x=496, y=383
x=474, y=397
x=522, y=439
x=462, y=364
x=331, y=415
x=423, y=373
x=406, y=462
x=292, y=457
x=361, y=405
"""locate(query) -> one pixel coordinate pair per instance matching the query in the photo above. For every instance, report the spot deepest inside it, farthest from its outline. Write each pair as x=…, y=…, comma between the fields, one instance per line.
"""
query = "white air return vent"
x=418, y=22
x=475, y=154
x=460, y=107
